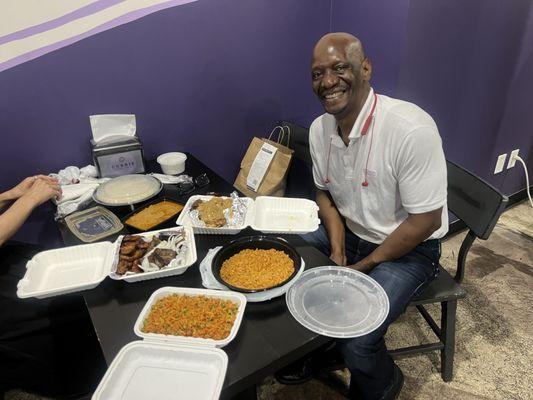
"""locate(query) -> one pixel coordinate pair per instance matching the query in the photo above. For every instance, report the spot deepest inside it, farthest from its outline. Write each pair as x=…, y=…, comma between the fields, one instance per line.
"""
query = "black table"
x=269, y=337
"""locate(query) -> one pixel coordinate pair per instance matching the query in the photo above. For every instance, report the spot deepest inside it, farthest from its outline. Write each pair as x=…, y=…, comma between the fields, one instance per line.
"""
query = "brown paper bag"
x=274, y=180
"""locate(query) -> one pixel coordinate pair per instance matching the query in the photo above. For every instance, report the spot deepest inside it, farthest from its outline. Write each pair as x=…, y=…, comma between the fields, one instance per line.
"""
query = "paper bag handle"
x=281, y=134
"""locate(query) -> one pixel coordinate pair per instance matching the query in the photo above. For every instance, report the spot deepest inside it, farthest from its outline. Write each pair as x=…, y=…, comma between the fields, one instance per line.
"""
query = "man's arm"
x=12, y=219
x=334, y=226
x=415, y=229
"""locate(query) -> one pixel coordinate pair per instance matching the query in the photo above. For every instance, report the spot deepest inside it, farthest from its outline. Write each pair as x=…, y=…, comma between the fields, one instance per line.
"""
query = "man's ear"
x=366, y=69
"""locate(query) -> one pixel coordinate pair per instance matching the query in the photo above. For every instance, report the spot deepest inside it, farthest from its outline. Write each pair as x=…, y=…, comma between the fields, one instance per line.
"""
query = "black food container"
x=254, y=242
x=160, y=225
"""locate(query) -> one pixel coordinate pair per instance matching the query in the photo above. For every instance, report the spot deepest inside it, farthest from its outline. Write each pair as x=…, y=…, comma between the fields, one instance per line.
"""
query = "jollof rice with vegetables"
x=196, y=316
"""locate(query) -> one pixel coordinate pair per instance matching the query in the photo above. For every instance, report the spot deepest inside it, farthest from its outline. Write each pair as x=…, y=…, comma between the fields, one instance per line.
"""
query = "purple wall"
x=381, y=25
x=469, y=64
x=203, y=77
x=207, y=76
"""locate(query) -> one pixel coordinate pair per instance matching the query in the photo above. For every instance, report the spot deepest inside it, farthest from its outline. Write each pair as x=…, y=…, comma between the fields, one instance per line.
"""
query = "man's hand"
x=23, y=187
x=414, y=230
x=42, y=190
x=365, y=265
x=338, y=258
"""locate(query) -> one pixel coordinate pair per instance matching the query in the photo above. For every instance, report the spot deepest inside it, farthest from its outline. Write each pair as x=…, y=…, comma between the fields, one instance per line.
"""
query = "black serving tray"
x=134, y=229
x=254, y=242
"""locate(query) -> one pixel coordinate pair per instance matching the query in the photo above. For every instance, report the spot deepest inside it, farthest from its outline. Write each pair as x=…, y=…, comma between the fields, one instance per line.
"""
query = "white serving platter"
x=266, y=214
x=76, y=268
x=167, y=367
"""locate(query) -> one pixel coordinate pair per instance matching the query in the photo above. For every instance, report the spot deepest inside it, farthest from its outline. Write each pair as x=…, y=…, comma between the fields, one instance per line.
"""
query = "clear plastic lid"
x=93, y=224
x=338, y=302
x=127, y=189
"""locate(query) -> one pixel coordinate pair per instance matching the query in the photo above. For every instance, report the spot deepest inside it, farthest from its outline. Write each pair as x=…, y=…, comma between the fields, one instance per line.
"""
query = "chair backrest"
x=299, y=142
x=474, y=201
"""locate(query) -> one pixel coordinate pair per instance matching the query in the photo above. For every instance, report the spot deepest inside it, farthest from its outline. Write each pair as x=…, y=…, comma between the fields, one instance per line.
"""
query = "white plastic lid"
x=173, y=157
x=147, y=370
x=338, y=302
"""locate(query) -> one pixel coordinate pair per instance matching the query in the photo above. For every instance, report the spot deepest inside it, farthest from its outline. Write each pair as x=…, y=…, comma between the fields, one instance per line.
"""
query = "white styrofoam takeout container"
x=190, y=259
x=76, y=268
x=217, y=294
x=266, y=214
x=166, y=367
x=163, y=371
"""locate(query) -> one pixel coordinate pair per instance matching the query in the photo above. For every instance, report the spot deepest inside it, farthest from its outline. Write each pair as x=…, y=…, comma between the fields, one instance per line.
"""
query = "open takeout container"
x=166, y=367
x=266, y=214
x=76, y=268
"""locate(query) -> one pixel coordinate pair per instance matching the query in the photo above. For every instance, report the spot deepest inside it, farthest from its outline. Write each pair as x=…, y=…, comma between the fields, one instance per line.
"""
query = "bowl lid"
x=338, y=302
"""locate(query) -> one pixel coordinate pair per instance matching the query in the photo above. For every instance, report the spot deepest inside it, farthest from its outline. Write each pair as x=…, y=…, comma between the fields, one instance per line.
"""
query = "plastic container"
x=217, y=294
x=172, y=163
x=133, y=228
x=93, y=224
x=73, y=269
x=190, y=259
x=127, y=190
x=143, y=370
x=254, y=242
x=167, y=367
x=209, y=280
x=338, y=302
x=266, y=214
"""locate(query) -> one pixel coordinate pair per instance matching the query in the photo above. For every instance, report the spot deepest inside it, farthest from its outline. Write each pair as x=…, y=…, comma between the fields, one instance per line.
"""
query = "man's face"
x=336, y=80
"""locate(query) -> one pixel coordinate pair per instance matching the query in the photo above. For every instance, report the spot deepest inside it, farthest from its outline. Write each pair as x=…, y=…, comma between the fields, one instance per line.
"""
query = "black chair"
x=300, y=176
x=479, y=206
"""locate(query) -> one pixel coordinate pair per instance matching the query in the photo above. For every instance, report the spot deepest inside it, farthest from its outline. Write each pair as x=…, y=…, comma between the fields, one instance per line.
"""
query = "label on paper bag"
x=260, y=165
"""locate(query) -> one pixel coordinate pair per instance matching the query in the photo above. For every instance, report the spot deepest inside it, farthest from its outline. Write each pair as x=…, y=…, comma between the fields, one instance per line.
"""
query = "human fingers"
x=42, y=191
x=45, y=178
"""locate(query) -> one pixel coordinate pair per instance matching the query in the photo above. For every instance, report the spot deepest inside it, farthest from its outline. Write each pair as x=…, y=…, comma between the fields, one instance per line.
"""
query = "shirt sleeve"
x=317, y=155
x=421, y=171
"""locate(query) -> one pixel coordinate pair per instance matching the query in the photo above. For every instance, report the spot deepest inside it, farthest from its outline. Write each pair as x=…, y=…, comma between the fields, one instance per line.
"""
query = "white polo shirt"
x=406, y=170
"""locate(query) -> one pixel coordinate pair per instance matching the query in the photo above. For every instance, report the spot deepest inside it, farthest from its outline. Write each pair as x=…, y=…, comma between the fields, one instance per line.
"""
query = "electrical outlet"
x=500, y=163
x=512, y=159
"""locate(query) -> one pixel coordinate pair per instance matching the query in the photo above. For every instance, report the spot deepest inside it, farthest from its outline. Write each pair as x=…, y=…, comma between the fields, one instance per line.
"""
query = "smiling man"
x=380, y=174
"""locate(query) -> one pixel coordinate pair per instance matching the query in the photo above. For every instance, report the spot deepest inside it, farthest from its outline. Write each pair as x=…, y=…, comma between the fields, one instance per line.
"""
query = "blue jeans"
x=367, y=357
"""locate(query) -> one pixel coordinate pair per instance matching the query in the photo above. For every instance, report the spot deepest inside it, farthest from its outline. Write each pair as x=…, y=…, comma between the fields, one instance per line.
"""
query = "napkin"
x=171, y=179
x=77, y=187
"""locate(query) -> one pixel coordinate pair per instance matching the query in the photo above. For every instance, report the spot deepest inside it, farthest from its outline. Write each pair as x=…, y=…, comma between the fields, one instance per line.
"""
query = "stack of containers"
x=167, y=367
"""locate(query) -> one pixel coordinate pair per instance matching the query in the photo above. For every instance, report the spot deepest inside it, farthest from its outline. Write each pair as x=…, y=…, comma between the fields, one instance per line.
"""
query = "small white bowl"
x=172, y=163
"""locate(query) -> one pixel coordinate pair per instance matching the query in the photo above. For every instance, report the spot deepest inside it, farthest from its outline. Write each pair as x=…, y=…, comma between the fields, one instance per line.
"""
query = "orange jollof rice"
x=196, y=316
x=257, y=269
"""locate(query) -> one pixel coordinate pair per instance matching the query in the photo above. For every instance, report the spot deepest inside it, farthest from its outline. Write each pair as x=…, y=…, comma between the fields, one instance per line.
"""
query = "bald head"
x=351, y=45
x=341, y=75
